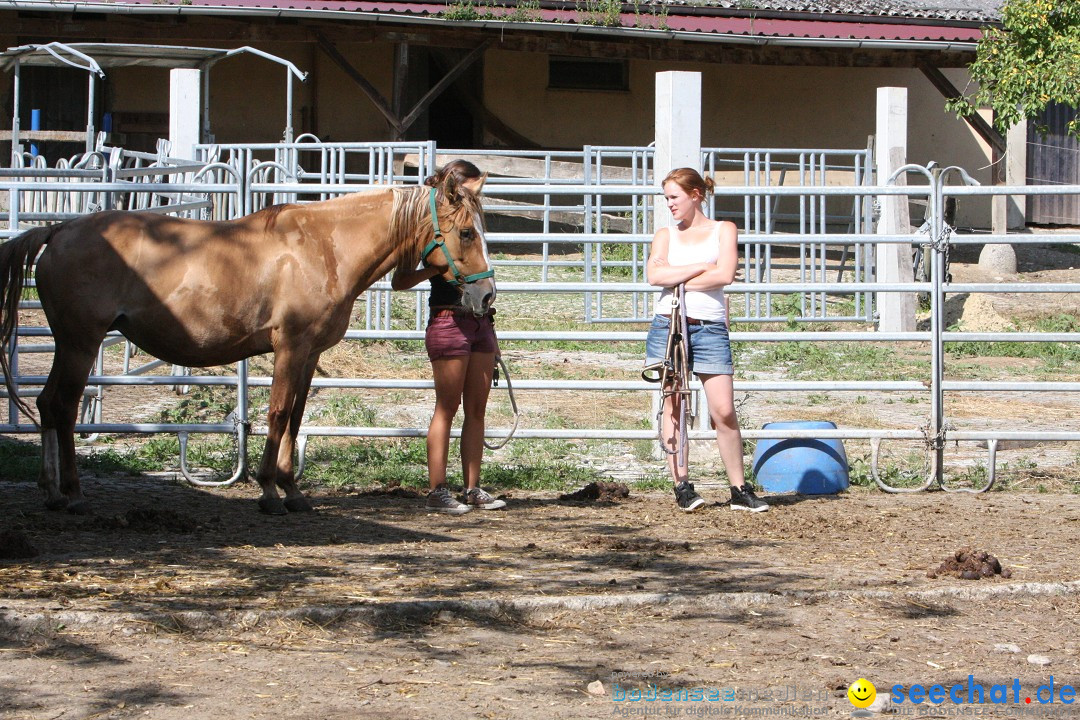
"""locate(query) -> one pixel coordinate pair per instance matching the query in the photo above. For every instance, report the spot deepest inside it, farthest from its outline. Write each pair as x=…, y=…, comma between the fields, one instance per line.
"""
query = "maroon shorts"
x=453, y=334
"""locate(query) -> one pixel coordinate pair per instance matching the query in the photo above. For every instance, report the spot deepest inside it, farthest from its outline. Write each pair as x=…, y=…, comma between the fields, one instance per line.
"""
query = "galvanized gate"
x=938, y=430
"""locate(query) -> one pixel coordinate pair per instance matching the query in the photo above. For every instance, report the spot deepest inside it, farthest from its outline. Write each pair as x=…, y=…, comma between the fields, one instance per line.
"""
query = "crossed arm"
x=697, y=276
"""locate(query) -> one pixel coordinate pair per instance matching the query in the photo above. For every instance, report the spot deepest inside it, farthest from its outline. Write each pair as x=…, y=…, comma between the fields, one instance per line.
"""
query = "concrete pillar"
x=896, y=311
x=184, y=109
x=998, y=258
x=1016, y=174
x=1006, y=212
x=678, y=144
x=678, y=130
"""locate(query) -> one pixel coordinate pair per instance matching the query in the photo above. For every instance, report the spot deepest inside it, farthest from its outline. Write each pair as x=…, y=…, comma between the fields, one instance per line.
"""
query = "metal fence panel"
x=591, y=194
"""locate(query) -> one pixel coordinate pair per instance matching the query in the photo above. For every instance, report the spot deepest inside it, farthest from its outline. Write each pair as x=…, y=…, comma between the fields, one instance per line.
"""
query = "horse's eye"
x=466, y=234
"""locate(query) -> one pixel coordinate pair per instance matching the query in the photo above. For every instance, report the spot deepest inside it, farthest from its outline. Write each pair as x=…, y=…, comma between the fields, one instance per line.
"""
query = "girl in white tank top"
x=703, y=305
x=702, y=255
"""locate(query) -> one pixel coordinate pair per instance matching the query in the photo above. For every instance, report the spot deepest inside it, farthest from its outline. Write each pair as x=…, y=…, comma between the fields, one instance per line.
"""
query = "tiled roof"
x=942, y=11
x=896, y=23
x=959, y=10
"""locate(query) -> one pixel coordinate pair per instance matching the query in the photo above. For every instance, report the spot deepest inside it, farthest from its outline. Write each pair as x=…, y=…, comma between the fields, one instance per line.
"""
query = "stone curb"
x=23, y=621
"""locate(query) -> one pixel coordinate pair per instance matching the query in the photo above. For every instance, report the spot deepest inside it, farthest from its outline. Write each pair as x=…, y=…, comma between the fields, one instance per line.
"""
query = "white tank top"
x=701, y=305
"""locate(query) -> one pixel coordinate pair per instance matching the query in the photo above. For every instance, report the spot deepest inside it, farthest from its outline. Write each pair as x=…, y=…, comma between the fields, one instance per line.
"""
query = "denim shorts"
x=453, y=334
x=710, y=349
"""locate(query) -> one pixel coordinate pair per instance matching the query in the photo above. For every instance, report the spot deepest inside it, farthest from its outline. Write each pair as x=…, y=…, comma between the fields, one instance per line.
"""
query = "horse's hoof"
x=80, y=507
x=299, y=504
x=272, y=506
x=57, y=504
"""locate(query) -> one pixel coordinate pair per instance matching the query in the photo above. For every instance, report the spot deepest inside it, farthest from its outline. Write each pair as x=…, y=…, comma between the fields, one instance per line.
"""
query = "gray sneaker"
x=478, y=497
x=440, y=500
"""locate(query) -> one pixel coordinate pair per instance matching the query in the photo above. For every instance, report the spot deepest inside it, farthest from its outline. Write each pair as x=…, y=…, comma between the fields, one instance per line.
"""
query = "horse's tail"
x=17, y=258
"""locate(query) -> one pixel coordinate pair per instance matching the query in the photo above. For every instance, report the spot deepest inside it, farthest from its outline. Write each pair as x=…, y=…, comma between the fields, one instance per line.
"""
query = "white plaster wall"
x=248, y=96
x=138, y=89
x=743, y=106
x=344, y=112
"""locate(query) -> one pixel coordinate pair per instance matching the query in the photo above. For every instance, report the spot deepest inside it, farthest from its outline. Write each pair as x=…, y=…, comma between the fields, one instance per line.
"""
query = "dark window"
x=588, y=74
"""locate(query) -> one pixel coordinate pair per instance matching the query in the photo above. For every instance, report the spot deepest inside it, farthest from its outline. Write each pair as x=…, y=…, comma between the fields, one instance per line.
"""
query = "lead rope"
x=672, y=372
x=513, y=404
x=679, y=382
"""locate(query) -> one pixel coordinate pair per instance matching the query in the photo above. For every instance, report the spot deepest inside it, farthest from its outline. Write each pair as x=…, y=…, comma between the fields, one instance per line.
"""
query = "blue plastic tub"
x=804, y=465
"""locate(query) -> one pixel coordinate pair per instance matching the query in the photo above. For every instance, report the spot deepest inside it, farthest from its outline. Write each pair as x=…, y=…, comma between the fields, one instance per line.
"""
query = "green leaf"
x=1029, y=62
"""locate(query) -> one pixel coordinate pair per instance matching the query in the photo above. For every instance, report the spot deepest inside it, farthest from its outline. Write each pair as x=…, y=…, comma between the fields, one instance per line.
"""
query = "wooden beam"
x=980, y=126
x=156, y=29
x=47, y=135
x=400, y=82
x=373, y=94
x=513, y=166
x=489, y=120
x=221, y=29
x=443, y=84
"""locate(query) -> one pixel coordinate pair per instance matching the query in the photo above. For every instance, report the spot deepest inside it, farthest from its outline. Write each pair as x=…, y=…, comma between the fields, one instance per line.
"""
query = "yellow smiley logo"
x=861, y=693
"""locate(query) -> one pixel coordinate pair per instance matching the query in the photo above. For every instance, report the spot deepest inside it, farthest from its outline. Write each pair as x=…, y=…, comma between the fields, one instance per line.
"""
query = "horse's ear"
x=454, y=191
x=476, y=184
x=451, y=189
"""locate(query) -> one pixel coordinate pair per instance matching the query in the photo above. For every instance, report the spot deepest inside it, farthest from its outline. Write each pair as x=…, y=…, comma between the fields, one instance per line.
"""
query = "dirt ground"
x=175, y=602
x=178, y=603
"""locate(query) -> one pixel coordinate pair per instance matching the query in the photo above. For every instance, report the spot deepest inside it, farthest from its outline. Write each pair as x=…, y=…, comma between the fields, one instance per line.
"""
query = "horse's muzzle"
x=478, y=297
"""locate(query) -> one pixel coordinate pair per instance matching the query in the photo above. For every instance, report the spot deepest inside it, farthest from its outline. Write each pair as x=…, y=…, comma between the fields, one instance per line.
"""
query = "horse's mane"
x=271, y=214
x=410, y=208
x=411, y=213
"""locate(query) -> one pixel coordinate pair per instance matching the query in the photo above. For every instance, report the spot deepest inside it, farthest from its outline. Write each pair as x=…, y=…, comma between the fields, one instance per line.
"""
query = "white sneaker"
x=440, y=500
x=478, y=497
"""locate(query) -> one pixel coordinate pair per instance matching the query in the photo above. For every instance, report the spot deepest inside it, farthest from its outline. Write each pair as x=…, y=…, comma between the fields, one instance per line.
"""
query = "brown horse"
x=198, y=294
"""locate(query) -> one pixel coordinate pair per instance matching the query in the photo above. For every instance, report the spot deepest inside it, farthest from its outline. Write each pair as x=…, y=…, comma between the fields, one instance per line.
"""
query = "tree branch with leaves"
x=1029, y=62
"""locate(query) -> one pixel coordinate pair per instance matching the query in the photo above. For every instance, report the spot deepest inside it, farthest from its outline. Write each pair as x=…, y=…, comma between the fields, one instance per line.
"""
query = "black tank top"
x=443, y=294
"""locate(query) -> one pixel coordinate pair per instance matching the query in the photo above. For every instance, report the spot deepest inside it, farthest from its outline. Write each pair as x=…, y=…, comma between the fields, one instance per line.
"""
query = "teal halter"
x=438, y=242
